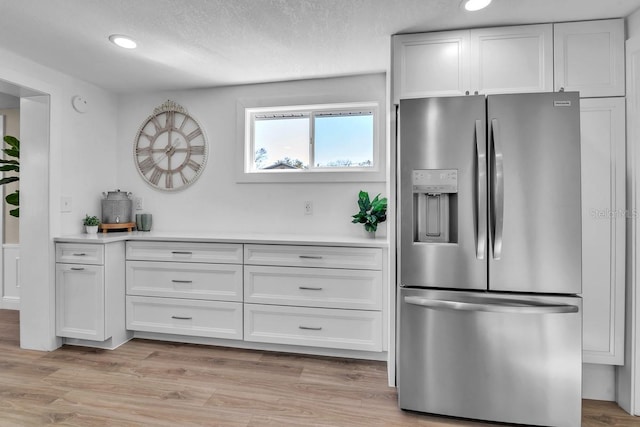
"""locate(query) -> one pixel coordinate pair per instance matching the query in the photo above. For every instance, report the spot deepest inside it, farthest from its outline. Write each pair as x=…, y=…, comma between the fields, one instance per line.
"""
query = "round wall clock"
x=170, y=149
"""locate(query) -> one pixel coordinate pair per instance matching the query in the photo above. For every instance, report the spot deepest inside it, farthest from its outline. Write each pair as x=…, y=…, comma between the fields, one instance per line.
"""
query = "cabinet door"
x=589, y=57
x=80, y=302
x=430, y=64
x=603, y=229
x=512, y=59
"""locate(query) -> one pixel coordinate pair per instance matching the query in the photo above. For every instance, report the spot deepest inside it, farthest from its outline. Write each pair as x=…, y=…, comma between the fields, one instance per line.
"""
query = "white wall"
x=74, y=155
x=216, y=202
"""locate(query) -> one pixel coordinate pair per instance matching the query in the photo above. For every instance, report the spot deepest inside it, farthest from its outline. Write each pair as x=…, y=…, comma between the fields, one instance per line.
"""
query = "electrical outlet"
x=138, y=203
x=65, y=204
x=308, y=208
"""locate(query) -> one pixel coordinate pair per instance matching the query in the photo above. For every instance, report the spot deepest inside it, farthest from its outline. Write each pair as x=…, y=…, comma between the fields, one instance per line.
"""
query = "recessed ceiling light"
x=473, y=5
x=123, y=41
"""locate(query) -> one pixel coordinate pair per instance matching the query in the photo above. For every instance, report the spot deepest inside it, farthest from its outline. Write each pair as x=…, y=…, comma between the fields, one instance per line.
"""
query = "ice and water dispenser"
x=435, y=204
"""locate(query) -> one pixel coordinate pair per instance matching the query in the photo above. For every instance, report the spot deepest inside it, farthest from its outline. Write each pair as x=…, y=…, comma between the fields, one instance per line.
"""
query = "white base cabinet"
x=90, y=294
x=307, y=298
x=315, y=296
x=185, y=288
x=323, y=297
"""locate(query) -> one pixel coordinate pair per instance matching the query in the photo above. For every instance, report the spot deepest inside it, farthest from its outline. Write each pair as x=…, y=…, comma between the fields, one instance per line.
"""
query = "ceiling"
x=185, y=44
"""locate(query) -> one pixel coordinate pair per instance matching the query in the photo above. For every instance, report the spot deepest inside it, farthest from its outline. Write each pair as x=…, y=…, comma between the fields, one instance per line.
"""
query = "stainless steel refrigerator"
x=490, y=320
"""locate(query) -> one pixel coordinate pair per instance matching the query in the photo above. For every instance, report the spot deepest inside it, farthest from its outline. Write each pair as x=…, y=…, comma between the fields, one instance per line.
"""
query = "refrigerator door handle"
x=495, y=306
x=498, y=190
x=481, y=191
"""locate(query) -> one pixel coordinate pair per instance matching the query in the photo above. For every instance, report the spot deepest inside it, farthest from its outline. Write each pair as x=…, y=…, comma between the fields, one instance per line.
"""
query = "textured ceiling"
x=202, y=43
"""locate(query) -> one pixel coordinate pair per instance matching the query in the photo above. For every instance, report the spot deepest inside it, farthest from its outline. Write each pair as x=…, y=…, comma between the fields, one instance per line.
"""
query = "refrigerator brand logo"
x=562, y=103
x=616, y=213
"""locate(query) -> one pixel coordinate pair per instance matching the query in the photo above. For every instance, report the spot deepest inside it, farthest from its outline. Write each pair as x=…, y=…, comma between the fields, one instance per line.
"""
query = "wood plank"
x=146, y=382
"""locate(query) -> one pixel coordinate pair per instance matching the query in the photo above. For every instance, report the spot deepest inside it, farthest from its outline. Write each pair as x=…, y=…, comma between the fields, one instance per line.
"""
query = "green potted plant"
x=372, y=212
x=12, y=165
x=91, y=224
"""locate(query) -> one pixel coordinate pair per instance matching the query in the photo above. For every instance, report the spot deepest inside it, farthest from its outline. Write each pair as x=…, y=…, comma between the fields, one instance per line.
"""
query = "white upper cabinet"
x=589, y=57
x=512, y=59
x=431, y=64
x=491, y=60
x=602, y=127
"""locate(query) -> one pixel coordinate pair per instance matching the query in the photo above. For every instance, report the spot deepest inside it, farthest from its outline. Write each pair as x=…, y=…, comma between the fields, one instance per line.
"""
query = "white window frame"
x=248, y=172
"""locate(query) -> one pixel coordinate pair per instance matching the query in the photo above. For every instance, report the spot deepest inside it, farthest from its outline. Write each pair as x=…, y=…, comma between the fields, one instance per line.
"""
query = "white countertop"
x=218, y=237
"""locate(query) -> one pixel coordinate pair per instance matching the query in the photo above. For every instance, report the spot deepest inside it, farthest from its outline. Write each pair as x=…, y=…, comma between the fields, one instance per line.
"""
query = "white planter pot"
x=369, y=234
x=91, y=229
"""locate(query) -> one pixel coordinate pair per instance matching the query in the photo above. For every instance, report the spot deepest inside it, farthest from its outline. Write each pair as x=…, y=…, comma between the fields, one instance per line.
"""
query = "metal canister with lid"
x=117, y=207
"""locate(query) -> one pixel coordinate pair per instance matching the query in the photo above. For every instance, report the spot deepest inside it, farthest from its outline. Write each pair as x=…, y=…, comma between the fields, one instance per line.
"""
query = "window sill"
x=310, y=176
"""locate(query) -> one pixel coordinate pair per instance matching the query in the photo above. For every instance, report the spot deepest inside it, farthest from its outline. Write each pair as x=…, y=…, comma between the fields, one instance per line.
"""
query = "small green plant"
x=372, y=212
x=11, y=166
x=91, y=220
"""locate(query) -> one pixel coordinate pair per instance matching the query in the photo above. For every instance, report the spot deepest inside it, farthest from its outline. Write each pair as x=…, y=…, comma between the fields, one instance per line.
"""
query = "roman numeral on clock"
x=156, y=175
x=193, y=135
x=193, y=165
x=197, y=150
x=170, y=119
x=146, y=165
x=143, y=151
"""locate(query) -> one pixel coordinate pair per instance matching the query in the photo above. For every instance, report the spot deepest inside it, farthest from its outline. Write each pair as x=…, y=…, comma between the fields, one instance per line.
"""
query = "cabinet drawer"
x=313, y=287
x=226, y=253
x=185, y=280
x=318, y=327
x=214, y=319
x=78, y=253
x=314, y=256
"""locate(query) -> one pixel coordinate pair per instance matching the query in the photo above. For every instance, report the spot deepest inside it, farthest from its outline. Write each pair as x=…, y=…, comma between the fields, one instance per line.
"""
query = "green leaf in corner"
x=12, y=141
x=8, y=179
x=13, y=198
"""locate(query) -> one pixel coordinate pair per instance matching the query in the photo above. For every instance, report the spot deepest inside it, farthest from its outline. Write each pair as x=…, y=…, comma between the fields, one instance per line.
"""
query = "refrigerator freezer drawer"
x=498, y=357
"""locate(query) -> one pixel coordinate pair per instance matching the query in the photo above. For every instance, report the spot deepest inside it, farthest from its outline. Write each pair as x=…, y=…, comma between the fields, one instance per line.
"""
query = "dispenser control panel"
x=435, y=181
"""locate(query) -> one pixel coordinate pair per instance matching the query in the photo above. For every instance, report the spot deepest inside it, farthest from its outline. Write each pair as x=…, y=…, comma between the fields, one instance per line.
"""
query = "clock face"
x=170, y=149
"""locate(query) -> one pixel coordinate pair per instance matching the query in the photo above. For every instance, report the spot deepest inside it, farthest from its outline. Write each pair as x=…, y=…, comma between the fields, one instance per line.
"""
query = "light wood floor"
x=150, y=383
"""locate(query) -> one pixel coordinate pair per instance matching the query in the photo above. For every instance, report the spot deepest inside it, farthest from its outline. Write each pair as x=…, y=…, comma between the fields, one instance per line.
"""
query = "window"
x=319, y=138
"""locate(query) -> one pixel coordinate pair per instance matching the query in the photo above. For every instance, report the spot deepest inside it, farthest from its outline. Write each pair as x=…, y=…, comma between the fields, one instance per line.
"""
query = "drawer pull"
x=310, y=328
x=309, y=288
x=181, y=318
x=182, y=281
x=182, y=252
x=77, y=268
x=310, y=256
x=80, y=254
